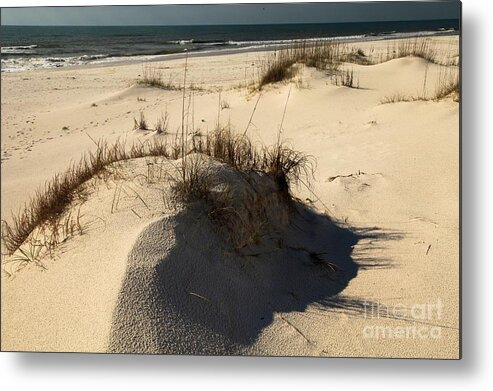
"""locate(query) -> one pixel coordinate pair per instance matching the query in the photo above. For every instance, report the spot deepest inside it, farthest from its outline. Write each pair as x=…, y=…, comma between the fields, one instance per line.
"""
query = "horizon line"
x=220, y=24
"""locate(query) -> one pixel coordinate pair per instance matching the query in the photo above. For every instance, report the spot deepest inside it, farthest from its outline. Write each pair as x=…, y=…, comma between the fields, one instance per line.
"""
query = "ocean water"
x=30, y=47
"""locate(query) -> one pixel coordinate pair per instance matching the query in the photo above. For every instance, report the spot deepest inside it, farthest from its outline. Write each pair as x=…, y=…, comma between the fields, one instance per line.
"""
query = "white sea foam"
x=26, y=49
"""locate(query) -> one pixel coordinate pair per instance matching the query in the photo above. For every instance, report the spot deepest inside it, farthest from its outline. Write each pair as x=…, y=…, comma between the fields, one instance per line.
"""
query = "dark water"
x=27, y=47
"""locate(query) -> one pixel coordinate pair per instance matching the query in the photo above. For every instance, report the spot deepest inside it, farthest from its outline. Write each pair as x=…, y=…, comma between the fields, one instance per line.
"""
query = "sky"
x=230, y=13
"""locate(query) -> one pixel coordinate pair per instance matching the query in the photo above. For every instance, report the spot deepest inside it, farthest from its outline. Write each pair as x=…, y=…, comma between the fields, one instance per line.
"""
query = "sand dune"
x=186, y=290
x=146, y=278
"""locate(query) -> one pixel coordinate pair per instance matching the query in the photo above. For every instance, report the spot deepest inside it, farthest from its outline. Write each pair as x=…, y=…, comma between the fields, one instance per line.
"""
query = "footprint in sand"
x=423, y=220
x=360, y=181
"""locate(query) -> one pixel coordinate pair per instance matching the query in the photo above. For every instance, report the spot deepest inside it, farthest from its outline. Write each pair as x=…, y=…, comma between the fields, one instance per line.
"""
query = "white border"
x=475, y=371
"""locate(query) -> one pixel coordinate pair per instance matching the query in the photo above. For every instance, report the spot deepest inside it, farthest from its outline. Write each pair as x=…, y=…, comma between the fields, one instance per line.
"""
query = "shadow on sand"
x=186, y=291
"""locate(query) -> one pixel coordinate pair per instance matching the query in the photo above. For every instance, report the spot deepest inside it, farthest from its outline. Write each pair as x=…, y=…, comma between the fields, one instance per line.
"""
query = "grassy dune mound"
x=211, y=267
x=52, y=216
x=210, y=277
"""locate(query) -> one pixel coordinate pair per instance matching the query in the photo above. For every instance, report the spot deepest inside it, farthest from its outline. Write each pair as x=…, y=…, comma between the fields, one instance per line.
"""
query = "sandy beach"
x=382, y=208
